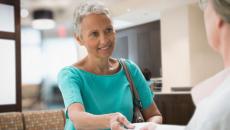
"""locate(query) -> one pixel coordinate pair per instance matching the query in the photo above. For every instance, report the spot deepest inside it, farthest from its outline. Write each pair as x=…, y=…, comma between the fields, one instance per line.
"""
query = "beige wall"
x=175, y=47
x=204, y=61
x=186, y=57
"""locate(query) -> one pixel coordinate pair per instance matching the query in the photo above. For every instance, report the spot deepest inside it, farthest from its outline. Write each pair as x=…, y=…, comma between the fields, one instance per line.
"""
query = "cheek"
x=210, y=30
x=212, y=36
x=91, y=45
x=211, y=26
x=112, y=38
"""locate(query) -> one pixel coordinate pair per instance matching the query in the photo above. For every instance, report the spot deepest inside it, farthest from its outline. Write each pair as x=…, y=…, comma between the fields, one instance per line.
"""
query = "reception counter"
x=176, y=107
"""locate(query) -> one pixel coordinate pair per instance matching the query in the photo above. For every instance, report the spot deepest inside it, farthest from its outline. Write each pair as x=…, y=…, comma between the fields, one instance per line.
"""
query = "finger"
x=126, y=123
x=129, y=126
x=115, y=124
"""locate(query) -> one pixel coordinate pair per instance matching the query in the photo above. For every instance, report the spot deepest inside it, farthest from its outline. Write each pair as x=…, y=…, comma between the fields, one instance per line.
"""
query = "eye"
x=109, y=30
x=94, y=34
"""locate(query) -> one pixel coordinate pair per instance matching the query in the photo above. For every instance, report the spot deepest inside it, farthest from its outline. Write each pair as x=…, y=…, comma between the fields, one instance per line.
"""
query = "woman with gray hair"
x=95, y=89
x=211, y=96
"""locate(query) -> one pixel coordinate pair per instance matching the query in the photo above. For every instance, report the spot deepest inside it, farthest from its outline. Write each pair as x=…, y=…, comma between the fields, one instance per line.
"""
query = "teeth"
x=104, y=48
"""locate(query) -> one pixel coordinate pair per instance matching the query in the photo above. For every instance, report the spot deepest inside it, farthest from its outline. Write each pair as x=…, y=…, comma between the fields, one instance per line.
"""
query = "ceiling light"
x=43, y=19
x=24, y=13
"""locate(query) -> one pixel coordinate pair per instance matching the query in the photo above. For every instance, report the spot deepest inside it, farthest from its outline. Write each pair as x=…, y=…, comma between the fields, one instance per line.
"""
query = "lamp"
x=43, y=19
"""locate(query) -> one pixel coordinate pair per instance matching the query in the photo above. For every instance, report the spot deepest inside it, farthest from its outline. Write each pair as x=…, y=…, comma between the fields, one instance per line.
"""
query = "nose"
x=103, y=38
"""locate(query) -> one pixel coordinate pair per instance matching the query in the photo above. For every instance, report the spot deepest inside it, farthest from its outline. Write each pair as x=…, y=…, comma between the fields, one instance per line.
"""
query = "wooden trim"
x=14, y=36
x=8, y=108
x=7, y=35
x=18, y=55
x=8, y=2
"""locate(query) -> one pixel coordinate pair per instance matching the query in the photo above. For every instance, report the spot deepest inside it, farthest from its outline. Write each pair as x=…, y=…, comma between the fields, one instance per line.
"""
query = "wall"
x=186, y=56
x=204, y=61
x=141, y=44
x=175, y=48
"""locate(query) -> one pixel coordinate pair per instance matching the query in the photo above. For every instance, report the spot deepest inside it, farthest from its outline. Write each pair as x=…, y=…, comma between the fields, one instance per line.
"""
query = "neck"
x=225, y=43
x=99, y=66
x=227, y=60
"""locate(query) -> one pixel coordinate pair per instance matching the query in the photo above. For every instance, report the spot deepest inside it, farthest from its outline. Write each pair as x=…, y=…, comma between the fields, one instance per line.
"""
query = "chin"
x=106, y=56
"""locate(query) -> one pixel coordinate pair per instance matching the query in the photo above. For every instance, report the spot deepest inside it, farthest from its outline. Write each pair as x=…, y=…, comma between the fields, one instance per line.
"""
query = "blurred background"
x=167, y=37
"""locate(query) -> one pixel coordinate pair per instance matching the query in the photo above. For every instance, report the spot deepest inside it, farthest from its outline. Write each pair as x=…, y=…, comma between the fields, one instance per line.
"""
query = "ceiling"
x=126, y=13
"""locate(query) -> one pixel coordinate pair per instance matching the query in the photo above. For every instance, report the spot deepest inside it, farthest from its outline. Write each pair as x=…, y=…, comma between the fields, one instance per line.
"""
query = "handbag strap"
x=136, y=97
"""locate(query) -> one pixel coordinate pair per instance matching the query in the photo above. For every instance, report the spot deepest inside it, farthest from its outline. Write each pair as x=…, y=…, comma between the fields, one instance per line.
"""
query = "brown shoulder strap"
x=132, y=87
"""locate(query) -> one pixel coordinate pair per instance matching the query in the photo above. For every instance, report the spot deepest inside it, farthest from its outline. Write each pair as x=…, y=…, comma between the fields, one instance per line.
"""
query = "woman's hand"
x=120, y=122
x=152, y=114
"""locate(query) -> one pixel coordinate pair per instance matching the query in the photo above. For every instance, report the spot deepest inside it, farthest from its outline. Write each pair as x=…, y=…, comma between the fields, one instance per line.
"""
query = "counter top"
x=179, y=92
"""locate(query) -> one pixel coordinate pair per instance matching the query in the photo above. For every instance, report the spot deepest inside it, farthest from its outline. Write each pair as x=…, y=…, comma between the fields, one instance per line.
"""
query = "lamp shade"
x=43, y=19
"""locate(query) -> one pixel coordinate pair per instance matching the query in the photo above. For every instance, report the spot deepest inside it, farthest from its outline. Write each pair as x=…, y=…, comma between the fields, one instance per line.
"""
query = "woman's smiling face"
x=97, y=35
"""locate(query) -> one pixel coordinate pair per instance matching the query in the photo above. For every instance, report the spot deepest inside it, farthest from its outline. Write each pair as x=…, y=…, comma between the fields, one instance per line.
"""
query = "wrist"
x=108, y=118
x=155, y=119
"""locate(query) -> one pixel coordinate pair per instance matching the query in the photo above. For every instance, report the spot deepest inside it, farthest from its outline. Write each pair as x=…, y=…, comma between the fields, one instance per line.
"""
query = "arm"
x=85, y=120
x=152, y=114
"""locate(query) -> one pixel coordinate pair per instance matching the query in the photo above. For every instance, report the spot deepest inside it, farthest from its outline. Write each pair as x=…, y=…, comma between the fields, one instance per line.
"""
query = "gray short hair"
x=222, y=7
x=86, y=8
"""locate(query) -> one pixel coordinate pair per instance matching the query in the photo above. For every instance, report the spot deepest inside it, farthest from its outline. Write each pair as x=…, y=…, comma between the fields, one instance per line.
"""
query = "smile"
x=104, y=48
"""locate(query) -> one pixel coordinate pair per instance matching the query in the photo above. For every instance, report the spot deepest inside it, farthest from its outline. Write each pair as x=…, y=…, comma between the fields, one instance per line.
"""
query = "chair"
x=11, y=121
x=44, y=120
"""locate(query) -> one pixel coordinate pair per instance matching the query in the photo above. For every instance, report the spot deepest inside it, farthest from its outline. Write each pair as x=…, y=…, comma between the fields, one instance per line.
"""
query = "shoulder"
x=68, y=72
x=80, y=64
x=132, y=67
x=130, y=64
x=215, y=108
x=69, y=77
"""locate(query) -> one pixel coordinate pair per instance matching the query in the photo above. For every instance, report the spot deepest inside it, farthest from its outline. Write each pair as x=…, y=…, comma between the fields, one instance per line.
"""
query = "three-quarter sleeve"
x=70, y=86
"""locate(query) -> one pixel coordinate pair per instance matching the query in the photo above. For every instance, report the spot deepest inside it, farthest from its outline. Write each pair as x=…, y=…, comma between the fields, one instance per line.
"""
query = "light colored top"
x=102, y=94
x=213, y=109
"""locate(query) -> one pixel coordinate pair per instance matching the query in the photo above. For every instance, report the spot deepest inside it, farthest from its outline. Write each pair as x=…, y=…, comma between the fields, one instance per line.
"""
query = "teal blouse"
x=102, y=94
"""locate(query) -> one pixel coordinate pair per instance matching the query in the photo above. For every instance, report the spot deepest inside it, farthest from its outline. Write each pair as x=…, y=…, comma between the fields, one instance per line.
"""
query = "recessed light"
x=24, y=13
x=43, y=19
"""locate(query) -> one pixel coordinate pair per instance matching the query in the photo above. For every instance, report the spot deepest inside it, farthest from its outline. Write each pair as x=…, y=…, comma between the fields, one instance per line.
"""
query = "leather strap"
x=136, y=98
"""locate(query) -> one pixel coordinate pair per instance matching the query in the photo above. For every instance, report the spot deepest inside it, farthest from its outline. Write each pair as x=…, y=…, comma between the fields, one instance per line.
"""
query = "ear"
x=220, y=23
x=78, y=39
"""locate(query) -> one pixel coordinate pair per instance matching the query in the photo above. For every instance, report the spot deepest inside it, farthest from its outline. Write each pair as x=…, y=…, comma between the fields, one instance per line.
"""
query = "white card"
x=159, y=127
x=139, y=125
